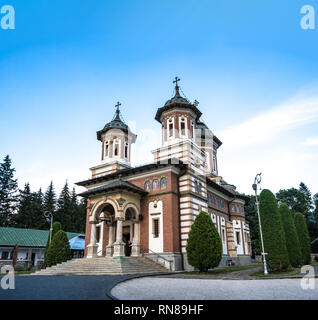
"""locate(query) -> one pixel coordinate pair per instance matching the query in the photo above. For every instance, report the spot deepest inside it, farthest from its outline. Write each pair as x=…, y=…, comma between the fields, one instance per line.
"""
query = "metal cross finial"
x=118, y=105
x=176, y=81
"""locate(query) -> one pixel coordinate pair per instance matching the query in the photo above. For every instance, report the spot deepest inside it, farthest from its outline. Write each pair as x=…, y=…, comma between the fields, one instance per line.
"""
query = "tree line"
x=25, y=208
x=298, y=200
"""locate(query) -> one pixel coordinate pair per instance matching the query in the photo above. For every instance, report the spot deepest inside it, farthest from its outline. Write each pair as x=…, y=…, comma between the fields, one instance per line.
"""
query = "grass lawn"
x=224, y=270
x=289, y=272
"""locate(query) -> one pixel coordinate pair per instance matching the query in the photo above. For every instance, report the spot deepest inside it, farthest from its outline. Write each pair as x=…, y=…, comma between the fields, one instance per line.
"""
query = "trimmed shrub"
x=291, y=237
x=204, y=248
x=273, y=233
x=59, y=250
x=303, y=236
x=56, y=226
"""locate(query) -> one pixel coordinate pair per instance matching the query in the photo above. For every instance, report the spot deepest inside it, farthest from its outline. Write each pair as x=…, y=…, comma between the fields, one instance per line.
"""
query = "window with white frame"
x=170, y=127
x=116, y=148
x=182, y=126
x=214, y=162
x=106, y=149
x=238, y=237
x=155, y=227
x=192, y=130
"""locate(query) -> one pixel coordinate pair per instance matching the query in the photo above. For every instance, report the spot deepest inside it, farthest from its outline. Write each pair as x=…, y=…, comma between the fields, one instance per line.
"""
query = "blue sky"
x=249, y=64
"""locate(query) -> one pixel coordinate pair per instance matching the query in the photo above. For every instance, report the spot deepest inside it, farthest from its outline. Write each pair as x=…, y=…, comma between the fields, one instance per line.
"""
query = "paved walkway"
x=235, y=275
x=164, y=288
x=62, y=287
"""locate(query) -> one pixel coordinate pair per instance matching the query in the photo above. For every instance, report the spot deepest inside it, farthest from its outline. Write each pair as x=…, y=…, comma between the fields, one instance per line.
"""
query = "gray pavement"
x=160, y=288
x=62, y=287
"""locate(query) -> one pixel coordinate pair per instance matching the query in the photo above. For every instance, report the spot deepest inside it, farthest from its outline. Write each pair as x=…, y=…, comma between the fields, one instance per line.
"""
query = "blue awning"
x=78, y=243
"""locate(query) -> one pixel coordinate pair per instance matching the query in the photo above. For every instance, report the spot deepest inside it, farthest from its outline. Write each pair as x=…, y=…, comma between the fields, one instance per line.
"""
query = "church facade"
x=148, y=210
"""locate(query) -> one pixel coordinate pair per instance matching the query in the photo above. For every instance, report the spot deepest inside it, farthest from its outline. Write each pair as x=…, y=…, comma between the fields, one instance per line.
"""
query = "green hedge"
x=303, y=236
x=204, y=248
x=291, y=237
x=273, y=233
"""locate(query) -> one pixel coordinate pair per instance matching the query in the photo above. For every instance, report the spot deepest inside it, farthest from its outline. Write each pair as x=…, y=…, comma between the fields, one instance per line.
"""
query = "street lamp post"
x=257, y=182
x=49, y=217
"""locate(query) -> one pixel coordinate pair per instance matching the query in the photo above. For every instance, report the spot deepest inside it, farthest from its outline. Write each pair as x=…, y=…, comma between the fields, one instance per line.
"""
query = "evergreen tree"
x=293, y=198
x=59, y=249
x=204, y=248
x=291, y=237
x=315, y=199
x=64, y=210
x=38, y=211
x=308, y=203
x=273, y=232
x=30, y=211
x=24, y=217
x=81, y=217
x=252, y=217
x=8, y=192
x=56, y=226
x=78, y=213
x=303, y=236
x=49, y=201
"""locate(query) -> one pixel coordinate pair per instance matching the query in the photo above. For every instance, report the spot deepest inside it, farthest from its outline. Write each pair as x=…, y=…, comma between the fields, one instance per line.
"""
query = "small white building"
x=30, y=244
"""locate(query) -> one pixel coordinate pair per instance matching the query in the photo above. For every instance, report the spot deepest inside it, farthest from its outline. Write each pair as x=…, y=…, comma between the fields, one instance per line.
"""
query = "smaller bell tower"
x=116, y=140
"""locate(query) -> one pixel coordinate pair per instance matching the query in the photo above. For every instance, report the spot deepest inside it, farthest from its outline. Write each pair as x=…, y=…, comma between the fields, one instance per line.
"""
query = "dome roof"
x=178, y=100
x=116, y=123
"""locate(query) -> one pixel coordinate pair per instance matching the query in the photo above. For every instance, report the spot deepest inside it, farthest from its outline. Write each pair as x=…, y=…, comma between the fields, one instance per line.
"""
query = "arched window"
x=106, y=149
x=126, y=150
x=163, y=183
x=147, y=186
x=155, y=184
x=116, y=148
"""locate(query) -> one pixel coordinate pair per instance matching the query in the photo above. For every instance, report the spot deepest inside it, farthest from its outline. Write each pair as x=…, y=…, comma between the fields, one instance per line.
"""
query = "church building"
x=148, y=210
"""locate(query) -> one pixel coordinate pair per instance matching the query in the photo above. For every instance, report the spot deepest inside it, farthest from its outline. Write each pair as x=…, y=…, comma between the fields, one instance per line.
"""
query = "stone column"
x=230, y=240
x=119, y=246
x=109, y=248
x=135, y=250
x=92, y=247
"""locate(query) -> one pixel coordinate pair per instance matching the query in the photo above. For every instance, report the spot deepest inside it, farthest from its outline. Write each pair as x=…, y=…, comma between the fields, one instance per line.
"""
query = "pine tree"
x=81, y=217
x=8, y=192
x=78, y=213
x=64, y=209
x=24, y=216
x=303, y=236
x=38, y=211
x=291, y=237
x=59, y=249
x=273, y=232
x=315, y=198
x=308, y=203
x=204, y=248
x=49, y=201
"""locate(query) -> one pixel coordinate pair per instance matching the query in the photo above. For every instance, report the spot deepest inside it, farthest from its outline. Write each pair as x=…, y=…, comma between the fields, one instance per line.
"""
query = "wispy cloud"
x=290, y=114
x=313, y=141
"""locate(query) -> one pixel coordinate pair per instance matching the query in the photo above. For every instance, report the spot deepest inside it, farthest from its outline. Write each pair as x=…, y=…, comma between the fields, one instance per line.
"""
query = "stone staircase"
x=105, y=266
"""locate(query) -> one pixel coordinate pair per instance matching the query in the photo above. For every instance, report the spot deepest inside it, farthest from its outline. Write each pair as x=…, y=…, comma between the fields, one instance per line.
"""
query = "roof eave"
x=173, y=105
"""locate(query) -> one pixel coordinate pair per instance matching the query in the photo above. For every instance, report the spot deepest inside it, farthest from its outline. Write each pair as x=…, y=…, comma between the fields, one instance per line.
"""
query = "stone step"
x=104, y=265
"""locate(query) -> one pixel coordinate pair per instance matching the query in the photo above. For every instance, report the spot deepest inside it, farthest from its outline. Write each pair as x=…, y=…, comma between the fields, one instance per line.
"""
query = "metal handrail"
x=162, y=257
